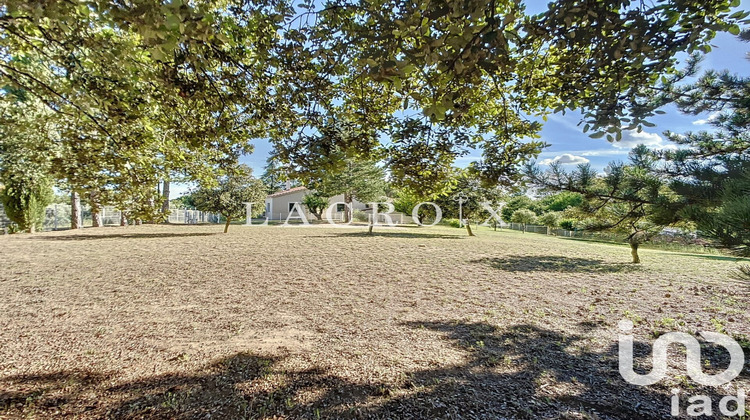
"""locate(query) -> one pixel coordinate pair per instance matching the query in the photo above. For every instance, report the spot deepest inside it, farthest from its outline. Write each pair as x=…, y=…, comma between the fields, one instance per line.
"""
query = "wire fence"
x=58, y=217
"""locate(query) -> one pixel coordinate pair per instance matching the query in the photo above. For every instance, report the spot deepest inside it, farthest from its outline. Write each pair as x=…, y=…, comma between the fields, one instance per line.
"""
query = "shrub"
x=567, y=224
x=25, y=201
x=452, y=223
x=551, y=219
x=360, y=216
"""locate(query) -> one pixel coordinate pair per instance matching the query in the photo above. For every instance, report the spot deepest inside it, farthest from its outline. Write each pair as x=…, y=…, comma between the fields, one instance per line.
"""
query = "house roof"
x=289, y=191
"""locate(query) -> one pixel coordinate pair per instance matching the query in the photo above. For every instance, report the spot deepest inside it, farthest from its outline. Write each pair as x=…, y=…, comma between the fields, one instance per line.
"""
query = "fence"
x=58, y=216
x=547, y=231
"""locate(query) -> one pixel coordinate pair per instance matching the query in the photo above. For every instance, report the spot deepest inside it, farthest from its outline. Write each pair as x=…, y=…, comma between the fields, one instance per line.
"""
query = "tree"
x=228, y=198
x=477, y=70
x=550, y=219
x=630, y=199
x=518, y=202
x=25, y=201
x=24, y=162
x=184, y=201
x=406, y=199
x=363, y=181
x=141, y=93
x=561, y=201
x=469, y=186
x=524, y=217
x=315, y=202
x=710, y=170
x=274, y=177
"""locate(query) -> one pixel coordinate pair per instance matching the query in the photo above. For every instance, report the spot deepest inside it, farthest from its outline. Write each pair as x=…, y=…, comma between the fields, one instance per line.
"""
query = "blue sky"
x=567, y=141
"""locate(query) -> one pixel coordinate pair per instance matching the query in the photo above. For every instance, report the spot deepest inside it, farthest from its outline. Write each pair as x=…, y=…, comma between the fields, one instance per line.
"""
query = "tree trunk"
x=165, y=197
x=226, y=225
x=348, y=208
x=468, y=228
x=96, y=207
x=634, y=252
x=76, y=220
x=123, y=219
x=32, y=228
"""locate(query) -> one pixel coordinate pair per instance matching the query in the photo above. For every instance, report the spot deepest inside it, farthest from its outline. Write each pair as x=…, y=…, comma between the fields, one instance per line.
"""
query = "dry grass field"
x=272, y=322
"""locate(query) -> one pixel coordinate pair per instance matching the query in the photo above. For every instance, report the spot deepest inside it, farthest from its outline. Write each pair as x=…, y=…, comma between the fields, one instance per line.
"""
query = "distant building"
x=280, y=204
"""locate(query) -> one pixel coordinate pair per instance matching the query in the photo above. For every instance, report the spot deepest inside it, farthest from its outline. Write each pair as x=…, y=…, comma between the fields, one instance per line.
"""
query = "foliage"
x=711, y=169
x=142, y=92
x=439, y=80
x=516, y=203
x=25, y=186
x=470, y=187
x=363, y=181
x=274, y=177
x=524, y=217
x=316, y=203
x=455, y=223
x=567, y=224
x=145, y=91
x=228, y=197
x=184, y=201
x=551, y=219
x=360, y=216
x=24, y=201
x=561, y=201
x=406, y=200
x=630, y=199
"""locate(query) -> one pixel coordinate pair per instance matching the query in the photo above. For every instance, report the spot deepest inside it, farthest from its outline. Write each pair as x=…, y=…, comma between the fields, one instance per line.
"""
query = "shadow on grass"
x=522, y=371
x=121, y=235
x=389, y=234
x=550, y=263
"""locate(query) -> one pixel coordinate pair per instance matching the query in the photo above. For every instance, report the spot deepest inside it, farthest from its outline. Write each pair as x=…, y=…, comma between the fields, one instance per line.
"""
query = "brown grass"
x=271, y=322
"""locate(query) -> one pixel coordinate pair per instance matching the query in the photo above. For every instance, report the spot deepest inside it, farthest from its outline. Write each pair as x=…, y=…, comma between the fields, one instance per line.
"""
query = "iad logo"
x=700, y=404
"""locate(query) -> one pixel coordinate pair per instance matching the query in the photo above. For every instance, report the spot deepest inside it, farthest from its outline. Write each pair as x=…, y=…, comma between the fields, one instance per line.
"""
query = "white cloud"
x=711, y=117
x=604, y=152
x=565, y=159
x=633, y=138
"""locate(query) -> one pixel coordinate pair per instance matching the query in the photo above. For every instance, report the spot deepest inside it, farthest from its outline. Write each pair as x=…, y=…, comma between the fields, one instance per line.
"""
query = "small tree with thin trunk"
x=551, y=220
x=228, y=197
x=467, y=187
x=524, y=217
x=316, y=202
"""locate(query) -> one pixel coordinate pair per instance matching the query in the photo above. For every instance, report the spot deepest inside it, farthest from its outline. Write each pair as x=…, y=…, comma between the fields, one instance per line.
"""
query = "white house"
x=280, y=204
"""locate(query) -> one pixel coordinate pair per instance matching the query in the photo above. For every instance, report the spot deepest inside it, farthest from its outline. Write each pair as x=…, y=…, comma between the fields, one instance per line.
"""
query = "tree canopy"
x=146, y=91
x=228, y=198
